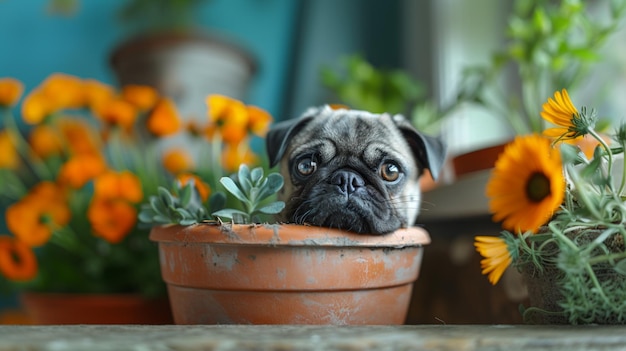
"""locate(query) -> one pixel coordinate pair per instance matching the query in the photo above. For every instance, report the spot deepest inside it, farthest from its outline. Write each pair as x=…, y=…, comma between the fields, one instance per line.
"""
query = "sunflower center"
x=537, y=187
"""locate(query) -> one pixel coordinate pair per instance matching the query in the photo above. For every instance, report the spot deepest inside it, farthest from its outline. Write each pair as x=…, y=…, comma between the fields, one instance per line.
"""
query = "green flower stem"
x=216, y=156
x=607, y=258
x=596, y=283
x=582, y=193
x=67, y=239
x=623, y=181
x=24, y=148
x=606, y=148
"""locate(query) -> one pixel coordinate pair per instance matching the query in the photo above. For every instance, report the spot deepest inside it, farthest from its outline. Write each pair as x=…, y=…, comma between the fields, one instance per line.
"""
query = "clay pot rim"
x=285, y=235
x=146, y=42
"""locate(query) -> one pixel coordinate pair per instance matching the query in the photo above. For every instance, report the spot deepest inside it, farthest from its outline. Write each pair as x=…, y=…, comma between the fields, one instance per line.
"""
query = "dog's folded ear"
x=430, y=152
x=281, y=133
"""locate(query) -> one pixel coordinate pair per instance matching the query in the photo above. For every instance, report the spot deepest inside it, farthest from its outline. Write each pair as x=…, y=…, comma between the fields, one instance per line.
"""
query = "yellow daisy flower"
x=560, y=111
x=527, y=184
x=496, y=256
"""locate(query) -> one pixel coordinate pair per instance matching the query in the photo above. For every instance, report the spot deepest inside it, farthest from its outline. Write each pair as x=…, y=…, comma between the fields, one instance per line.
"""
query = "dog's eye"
x=390, y=172
x=306, y=166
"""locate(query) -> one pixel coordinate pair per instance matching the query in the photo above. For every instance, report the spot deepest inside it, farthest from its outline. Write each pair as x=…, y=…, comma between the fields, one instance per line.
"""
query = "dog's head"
x=352, y=170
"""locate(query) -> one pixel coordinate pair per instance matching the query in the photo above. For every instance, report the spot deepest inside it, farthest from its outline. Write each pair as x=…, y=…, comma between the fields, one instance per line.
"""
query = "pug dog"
x=352, y=170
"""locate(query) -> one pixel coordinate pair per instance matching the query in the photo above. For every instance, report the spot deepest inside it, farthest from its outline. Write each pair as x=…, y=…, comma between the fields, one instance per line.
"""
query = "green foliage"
x=362, y=86
x=251, y=188
x=550, y=45
x=183, y=204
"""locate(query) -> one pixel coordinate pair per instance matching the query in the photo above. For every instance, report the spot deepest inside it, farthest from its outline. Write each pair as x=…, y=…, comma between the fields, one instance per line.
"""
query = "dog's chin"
x=353, y=214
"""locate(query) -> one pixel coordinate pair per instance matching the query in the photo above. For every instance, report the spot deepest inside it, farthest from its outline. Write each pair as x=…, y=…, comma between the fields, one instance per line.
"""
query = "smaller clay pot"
x=56, y=308
x=288, y=274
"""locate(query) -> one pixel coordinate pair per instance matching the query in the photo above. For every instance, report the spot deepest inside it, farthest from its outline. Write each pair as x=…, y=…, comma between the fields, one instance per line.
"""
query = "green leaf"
x=165, y=197
x=243, y=173
x=186, y=193
x=256, y=175
x=274, y=183
x=146, y=216
x=229, y=213
x=620, y=267
x=217, y=201
x=157, y=205
x=232, y=188
x=272, y=208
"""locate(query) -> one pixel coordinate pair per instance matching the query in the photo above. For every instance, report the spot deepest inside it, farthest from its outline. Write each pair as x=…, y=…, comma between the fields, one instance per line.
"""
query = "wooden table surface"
x=303, y=338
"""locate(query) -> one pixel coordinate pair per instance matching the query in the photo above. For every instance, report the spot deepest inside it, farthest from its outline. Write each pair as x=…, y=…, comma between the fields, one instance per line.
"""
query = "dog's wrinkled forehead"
x=354, y=129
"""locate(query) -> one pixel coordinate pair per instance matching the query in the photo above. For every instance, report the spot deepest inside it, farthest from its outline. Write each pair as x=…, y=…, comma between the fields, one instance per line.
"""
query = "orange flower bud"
x=17, y=260
x=141, y=96
x=10, y=91
x=45, y=141
x=80, y=169
x=203, y=188
x=177, y=161
x=111, y=219
x=9, y=158
x=164, y=119
x=119, y=185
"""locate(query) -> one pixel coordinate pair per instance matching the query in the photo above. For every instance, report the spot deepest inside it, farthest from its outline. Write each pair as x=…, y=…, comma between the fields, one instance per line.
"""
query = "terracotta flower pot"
x=52, y=308
x=185, y=66
x=288, y=274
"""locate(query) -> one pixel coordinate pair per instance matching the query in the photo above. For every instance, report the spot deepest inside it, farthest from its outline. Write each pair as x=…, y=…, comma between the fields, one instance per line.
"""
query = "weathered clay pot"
x=185, y=67
x=70, y=308
x=288, y=274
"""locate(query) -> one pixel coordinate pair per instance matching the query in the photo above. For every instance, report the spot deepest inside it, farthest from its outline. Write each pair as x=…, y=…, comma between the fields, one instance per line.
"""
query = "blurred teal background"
x=289, y=39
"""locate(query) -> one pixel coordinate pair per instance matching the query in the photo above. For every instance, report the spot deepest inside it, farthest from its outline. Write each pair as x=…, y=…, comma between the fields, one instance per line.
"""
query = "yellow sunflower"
x=527, y=184
x=496, y=256
x=561, y=112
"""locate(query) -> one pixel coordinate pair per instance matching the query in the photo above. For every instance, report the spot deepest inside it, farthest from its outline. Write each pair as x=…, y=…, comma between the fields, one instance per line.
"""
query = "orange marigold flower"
x=44, y=140
x=17, y=260
x=10, y=91
x=234, y=155
x=97, y=93
x=33, y=219
x=203, y=188
x=228, y=115
x=111, y=219
x=63, y=91
x=80, y=137
x=80, y=169
x=527, y=184
x=233, y=133
x=36, y=107
x=118, y=185
x=259, y=120
x=164, y=118
x=141, y=96
x=47, y=191
x=9, y=157
x=177, y=161
x=118, y=112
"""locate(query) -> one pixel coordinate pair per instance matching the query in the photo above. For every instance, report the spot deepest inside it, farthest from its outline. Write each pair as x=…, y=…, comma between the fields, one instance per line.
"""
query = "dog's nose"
x=347, y=181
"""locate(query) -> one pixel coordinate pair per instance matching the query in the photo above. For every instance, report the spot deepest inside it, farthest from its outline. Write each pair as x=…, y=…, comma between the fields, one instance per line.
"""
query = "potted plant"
x=563, y=213
x=247, y=272
x=167, y=49
x=73, y=172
